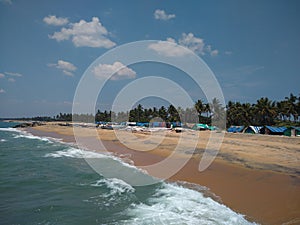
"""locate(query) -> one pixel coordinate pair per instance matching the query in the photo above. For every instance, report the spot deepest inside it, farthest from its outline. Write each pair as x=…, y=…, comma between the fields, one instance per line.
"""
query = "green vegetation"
x=263, y=112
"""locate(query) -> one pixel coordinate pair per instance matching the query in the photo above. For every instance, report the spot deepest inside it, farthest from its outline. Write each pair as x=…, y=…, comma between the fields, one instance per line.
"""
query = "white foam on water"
x=117, y=192
x=24, y=134
x=76, y=153
x=117, y=186
x=3, y=140
x=174, y=204
x=30, y=136
x=10, y=129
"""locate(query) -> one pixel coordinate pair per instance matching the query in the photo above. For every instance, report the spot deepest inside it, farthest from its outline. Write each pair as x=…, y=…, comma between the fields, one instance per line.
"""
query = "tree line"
x=263, y=112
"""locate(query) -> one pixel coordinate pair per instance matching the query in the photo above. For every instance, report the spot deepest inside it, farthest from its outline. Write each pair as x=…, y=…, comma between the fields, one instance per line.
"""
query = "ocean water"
x=44, y=181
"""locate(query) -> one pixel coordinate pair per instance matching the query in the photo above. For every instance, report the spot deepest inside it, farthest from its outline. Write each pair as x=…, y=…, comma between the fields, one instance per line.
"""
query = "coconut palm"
x=218, y=113
x=265, y=111
x=199, y=106
x=291, y=106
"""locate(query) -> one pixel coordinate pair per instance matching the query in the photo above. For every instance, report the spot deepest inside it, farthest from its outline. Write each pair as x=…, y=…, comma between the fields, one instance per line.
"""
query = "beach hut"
x=235, y=129
x=272, y=130
x=252, y=129
x=200, y=126
x=292, y=131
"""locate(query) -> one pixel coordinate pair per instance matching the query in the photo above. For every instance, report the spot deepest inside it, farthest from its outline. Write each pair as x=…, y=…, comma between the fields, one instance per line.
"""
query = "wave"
x=10, y=129
x=117, y=186
x=24, y=134
x=173, y=204
x=114, y=192
x=3, y=140
x=29, y=136
x=76, y=153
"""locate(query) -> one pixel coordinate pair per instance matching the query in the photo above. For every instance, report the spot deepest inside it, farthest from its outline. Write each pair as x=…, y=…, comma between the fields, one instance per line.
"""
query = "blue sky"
x=253, y=47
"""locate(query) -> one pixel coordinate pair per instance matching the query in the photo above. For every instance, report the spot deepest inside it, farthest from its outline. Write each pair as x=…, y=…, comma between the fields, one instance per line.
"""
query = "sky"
x=252, y=47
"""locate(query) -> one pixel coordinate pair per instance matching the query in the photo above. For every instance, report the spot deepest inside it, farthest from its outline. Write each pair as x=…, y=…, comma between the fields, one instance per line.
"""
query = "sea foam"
x=24, y=134
x=117, y=186
x=173, y=204
x=75, y=153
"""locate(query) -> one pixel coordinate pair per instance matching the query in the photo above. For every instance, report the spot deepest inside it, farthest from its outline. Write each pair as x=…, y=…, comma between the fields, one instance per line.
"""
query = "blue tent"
x=273, y=130
x=142, y=124
x=235, y=129
x=253, y=129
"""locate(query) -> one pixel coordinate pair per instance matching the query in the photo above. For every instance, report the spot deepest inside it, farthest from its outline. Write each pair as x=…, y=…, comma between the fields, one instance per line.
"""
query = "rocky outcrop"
x=29, y=124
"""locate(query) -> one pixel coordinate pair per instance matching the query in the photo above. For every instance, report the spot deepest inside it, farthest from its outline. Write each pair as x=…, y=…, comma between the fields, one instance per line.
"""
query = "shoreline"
x=264, y=193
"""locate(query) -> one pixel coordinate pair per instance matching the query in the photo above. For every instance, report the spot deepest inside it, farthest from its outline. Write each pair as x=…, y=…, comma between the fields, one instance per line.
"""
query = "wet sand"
x=255, y=175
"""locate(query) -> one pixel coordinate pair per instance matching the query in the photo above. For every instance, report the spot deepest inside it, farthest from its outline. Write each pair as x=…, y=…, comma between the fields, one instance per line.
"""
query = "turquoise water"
x=44, y=181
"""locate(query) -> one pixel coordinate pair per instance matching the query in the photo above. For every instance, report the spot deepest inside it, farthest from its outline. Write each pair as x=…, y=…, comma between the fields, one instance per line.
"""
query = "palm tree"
x=199, y=106
x=291, y=106
x=207, y=110
x=163, y=113
x=265, y=111
x=173, y=114
x=218, y=113
x=247, y=114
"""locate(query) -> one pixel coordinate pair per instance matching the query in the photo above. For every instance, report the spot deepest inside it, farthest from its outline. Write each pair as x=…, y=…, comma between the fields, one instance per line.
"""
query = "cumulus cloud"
x=55, y=21
x=88, y=34
x=115, y=71
x=66, y=67
x=171, y=48
x=2, y=90
x=193, y=43
x=11, y=80
x=162, y=15
x=2, y=75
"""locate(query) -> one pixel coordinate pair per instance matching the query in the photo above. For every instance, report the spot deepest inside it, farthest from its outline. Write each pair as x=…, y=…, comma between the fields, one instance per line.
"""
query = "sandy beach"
x=255, y=175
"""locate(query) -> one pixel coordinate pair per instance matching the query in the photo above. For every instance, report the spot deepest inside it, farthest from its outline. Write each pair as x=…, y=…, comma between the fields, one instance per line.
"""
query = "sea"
x=46, y=181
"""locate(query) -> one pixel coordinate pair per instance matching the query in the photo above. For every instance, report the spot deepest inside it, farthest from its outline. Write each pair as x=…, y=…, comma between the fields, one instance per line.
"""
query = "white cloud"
x=89, y=34
x=55, y=21
x=212, y=52
x=2, y=75
x=11, y=80
x=13, y=74
x=66, y=67
x=162, y=15
x=115, y=71
x=228, y=53
x=171, y=48
x=193, y=43
x=2, y=91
